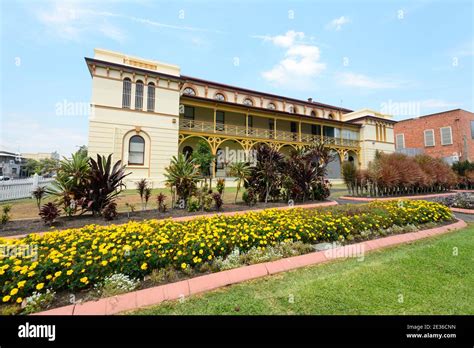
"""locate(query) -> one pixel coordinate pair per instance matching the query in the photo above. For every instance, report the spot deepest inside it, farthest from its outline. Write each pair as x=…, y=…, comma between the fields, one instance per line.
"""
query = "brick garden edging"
x=191, y=217
x=462, y=210
x=370, y=199
x=173, y=291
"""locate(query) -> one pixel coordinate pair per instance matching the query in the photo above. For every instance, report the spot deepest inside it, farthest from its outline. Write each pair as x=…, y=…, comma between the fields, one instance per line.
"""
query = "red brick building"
x=448, y=135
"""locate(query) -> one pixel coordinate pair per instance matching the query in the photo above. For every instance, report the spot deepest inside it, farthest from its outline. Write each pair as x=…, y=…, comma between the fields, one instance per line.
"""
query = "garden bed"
x=76, y=261
x=23, y=227
x=461, y=202
x=382, y=198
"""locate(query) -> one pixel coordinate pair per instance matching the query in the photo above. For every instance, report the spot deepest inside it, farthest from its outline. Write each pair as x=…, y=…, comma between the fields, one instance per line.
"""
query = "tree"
x=241, y=172
x=32, y=167
x=203, y=158
x=82, y=150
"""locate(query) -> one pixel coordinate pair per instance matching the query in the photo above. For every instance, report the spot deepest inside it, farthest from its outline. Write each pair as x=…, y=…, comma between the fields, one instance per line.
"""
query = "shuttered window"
x=400, y=141
x=429, y=137
x=446, y=136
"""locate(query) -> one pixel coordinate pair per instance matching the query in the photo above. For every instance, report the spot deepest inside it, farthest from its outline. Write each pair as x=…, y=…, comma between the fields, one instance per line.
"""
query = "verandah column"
x=299, y=132
x=215, y=111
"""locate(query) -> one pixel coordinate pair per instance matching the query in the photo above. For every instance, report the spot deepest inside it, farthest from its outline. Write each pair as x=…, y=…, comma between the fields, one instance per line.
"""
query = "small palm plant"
x=39, y=193
x=142, y=187
x=182, y=176
x=241, y=171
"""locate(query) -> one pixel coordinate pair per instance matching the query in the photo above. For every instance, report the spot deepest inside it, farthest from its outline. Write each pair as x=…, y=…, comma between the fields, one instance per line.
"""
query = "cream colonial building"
x=144, y=112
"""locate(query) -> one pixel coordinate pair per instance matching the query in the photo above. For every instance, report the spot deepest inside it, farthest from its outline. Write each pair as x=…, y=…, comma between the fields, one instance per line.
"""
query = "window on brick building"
x=400, y=141
x=446, y=136
x=472, y=129
x=429, y=137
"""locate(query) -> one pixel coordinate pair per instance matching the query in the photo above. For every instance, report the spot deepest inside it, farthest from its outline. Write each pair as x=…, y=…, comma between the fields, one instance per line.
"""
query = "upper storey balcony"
x=232, y=123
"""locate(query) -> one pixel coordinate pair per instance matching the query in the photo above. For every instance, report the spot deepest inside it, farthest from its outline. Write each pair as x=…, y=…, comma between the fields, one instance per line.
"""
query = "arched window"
x=248, y=102
x=313, y=113
x=187, y=151
x=291, y=109
x=126, y=93
x=219, y=96
x=139, y=95
x=136, y=150
x=331, y=117
x=150, y=104
x=189, y=91
x=271, y=106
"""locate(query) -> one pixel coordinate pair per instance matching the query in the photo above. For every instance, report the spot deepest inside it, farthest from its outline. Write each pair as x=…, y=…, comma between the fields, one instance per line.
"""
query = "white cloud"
x=337, y=23
x=363, y=81
x=464, y=50
x=74, y=21
x=32, y=136
x=300, y=64
x=436, y=103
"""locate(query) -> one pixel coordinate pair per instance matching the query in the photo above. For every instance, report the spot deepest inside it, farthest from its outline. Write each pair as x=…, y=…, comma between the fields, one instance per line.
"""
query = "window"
x=220, y=120
x=248, y=102
x=126, y=93
x=271, y=106
x=315, y=129
x=331, y=117
x=136, y=150
x=291, y=109
x=189, y=112
x=293, y=127
x=189, y=91
x=150, y=105
x=250, y=121
x=139, y=95
x=313, y=113
x=187, y=151
x=446, y=136
x=429, y=137
x=472, y=129
x=219, y=97
x=271, y=127
x=400, y=141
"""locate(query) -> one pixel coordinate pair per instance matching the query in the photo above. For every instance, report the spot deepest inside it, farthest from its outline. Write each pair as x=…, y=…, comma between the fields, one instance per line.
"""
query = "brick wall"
x=460, y=123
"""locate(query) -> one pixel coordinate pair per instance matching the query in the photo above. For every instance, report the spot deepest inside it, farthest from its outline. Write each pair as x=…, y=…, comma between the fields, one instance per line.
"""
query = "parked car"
x=4, y=178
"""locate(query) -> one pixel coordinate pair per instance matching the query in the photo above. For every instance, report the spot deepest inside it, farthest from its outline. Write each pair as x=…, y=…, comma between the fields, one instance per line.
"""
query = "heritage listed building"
x=144, y=112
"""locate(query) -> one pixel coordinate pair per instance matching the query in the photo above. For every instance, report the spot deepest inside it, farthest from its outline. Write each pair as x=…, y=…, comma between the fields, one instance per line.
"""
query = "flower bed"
x=80, y=258
x=463, y=200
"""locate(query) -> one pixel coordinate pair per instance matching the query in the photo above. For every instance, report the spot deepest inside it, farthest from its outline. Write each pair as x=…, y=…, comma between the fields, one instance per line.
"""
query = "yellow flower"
x=144, y=266
x=6, y=298
x=49, y=276
x=84, y=280
x=57, y=274
x=104, y=263
x=13, y=292
x=69, y=272
x=39, y=286
x=88, y=262
x=19, y=300
x=183, y=265
x=21, y=284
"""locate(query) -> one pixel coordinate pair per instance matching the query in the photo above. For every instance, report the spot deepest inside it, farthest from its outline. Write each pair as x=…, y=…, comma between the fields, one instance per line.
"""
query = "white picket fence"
x=21, y=188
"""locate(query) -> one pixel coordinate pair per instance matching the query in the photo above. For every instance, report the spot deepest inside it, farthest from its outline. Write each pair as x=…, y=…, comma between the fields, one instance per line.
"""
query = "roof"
x=256, y=108
x=275, y=96
x=435, y=114
x=185, y=78
x=372, y=117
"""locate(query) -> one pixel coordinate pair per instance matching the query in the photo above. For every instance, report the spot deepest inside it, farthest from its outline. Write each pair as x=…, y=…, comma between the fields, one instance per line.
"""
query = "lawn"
x=425, y=277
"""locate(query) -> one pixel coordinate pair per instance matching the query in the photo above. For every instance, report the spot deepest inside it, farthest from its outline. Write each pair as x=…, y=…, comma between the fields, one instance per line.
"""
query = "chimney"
x=310, y=100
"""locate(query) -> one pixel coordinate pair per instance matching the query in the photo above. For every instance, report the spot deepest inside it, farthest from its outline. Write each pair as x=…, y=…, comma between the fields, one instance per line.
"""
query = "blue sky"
x=404, y=57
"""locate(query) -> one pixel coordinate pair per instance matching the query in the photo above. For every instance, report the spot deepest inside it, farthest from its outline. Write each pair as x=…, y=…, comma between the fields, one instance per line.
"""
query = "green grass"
x=419, y=278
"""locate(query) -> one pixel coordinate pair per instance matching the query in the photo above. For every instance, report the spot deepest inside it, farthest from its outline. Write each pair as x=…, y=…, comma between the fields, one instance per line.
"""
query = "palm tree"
x=241, y=171
x=182, y=175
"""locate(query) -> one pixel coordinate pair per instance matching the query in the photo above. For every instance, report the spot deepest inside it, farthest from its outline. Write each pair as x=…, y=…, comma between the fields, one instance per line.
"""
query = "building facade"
x=144, y=112
x=448, y=135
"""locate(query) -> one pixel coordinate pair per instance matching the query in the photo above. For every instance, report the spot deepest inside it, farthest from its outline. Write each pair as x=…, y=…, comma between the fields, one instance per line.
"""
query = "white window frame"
x=403, y=141
x=424, y=137
x=450, y=135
